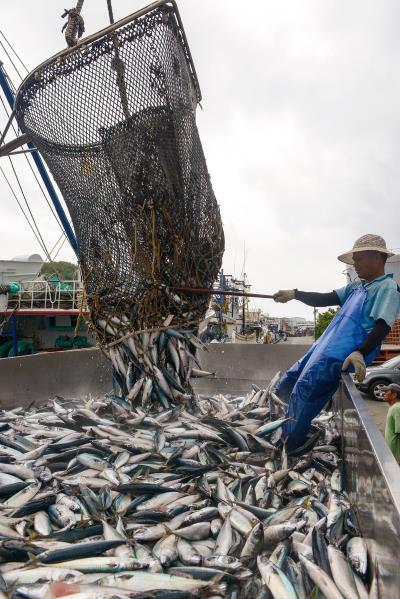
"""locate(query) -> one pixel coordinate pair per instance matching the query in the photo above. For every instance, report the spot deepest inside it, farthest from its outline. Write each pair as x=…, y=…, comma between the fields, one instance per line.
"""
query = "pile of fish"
x=100, y=501
x=152, y=368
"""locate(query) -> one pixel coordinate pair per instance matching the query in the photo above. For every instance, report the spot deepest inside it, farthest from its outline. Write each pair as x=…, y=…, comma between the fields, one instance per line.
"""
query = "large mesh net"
x=115, y=121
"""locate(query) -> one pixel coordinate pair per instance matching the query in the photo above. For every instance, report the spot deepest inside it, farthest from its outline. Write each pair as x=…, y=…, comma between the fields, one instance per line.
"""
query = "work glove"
x=283, y=295
x=356, y=359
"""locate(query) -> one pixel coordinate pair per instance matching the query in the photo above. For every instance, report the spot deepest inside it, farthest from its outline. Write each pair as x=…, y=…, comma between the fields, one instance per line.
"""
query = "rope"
x=21, y=208
x=37, y=234
x=119, y=68
x=14, y=52
x=62, y=239
x=33, y=171
x=29, y=210
x=80, y=314
x=11, y=60
x=43, y=244
x=75, y=26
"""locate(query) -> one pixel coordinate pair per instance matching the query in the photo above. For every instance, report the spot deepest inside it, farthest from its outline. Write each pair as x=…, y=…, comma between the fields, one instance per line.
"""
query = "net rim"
x=106, y=31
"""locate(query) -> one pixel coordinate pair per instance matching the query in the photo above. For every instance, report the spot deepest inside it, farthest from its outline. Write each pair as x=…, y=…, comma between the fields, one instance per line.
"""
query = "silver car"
x=379, y=376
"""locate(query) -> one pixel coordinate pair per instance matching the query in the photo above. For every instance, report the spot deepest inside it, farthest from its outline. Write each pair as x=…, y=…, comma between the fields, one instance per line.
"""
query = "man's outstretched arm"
x=310, y=298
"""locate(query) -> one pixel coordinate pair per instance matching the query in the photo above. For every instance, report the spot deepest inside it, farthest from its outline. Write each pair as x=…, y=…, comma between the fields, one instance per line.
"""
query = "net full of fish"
x=120, y=139
x=100, y=501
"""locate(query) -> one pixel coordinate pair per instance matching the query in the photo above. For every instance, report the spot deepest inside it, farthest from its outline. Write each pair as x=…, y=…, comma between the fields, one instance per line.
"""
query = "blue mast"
x=8, y=92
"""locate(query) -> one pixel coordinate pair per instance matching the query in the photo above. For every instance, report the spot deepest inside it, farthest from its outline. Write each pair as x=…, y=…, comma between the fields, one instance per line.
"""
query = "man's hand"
x=357, y=360
x=284, y=295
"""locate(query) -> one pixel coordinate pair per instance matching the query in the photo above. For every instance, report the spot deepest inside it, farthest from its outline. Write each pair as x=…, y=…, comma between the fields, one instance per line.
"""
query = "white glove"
x=284, y=295
x=357, y=360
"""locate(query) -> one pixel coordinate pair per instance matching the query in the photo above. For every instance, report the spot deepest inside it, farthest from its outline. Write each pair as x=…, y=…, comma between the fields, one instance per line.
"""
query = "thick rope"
x=119, y=68
x=75, y=27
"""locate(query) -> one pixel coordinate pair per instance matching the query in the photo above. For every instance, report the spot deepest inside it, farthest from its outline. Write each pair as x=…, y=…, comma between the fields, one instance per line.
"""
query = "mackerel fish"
x=101, y=499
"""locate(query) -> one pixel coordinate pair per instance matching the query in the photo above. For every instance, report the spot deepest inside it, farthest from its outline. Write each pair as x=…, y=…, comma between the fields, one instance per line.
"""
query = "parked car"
x=379, y=376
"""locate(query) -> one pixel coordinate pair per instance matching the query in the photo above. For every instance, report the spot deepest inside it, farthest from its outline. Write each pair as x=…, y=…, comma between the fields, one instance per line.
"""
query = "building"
x=20, y=268
x=393, y=267
x=295, y=322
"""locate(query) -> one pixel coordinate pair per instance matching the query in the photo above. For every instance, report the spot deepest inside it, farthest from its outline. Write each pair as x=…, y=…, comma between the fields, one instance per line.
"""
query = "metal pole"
x=14, y=334
x=220, y=292
x=110, y=11
x=244, y=316
x=5, y=85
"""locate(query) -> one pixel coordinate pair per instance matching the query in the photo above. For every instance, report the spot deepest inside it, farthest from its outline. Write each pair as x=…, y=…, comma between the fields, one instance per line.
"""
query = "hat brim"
x=347, y=257
x=394, y=387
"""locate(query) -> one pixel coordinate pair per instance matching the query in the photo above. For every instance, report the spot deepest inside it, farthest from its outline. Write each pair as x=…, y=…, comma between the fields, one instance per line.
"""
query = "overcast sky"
x=300, y=127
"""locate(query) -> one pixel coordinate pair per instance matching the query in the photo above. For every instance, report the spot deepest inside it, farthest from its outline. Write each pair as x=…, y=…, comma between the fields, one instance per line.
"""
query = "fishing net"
x=114, y=119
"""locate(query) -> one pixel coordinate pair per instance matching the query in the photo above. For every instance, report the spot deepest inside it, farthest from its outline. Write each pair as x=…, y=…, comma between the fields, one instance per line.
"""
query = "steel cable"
x=15, y=52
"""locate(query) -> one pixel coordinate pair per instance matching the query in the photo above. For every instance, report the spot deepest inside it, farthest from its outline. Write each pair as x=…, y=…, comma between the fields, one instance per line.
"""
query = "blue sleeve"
x=344, y=292
x=386, y=304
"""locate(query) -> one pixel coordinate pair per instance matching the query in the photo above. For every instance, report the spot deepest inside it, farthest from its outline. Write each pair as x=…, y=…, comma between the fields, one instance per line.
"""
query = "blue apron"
x=310, y=383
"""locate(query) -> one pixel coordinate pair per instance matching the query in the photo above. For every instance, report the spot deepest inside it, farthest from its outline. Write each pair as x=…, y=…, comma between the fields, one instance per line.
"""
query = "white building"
x=296, y=321
x=393, y=267
x=20, y=268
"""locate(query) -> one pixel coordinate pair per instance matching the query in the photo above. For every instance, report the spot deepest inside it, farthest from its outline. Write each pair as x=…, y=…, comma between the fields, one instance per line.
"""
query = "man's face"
x=367, y=263
x=390, y=396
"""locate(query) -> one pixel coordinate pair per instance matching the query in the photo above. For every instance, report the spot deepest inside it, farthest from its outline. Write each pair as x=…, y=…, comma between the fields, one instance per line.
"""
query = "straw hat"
x=369, y=242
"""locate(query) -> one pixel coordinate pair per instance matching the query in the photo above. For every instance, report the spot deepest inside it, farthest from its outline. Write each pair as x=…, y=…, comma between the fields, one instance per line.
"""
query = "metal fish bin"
x=370, y=472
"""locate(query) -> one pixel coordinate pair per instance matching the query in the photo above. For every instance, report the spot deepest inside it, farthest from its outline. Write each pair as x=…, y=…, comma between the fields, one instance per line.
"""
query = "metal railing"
x=372, y=480
x=48, y=295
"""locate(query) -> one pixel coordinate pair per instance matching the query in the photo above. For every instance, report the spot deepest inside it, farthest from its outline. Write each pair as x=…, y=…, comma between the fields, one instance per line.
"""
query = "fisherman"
x=392, y=429
x=368, y=309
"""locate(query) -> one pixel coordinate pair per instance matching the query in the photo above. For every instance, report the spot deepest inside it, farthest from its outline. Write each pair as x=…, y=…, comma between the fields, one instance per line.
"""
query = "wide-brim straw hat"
x=369, y=242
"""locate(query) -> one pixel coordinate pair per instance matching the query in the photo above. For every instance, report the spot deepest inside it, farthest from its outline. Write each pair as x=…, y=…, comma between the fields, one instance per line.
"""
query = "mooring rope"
x=75, y=27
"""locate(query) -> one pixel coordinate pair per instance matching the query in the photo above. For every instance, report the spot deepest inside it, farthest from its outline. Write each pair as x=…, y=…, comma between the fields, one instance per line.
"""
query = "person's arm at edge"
x=317, y=300
x=374, y=337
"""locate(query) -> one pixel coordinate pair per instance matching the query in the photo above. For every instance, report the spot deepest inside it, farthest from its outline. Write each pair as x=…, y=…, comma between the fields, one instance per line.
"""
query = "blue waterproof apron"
x=310, y=383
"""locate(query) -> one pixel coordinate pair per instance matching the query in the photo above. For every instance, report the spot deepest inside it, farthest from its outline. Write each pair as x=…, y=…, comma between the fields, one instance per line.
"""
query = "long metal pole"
x=110, y=12
x=8, y=92
x=201, y=291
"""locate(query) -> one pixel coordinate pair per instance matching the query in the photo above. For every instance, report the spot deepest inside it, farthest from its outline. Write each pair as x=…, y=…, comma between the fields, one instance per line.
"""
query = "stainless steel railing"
x=372, y=479
x=47, y=295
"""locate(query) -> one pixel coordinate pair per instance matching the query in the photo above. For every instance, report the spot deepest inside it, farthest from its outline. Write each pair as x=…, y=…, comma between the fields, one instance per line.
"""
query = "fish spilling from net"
x=97, y=500
x=152, y=369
